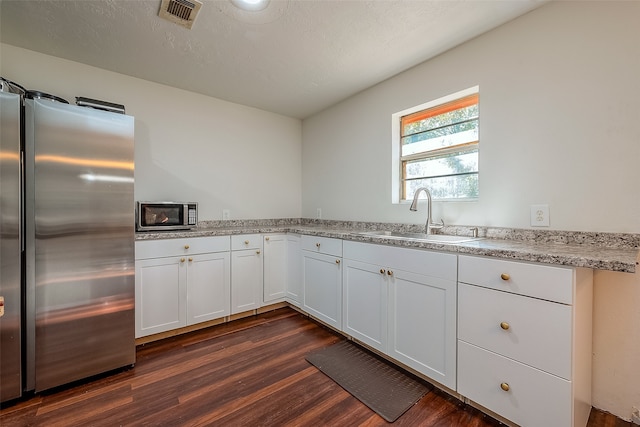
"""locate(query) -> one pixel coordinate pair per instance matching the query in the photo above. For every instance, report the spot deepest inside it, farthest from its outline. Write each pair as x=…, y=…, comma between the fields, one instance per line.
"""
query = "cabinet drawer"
x=534, y=398
x=175, y=247
x=529, y=330
x=246, y=241
x=323, y=245
x=539, y=281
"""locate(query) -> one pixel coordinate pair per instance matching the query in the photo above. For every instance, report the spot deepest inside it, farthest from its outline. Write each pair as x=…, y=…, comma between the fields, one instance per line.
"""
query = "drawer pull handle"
x=258, y=252
x=505, y=386
x=317, y=245
x=190, y=259
x=382, y=271
x=389, y=273
x=186, y=246
x=504, y=325
x=337, y=261
x=505, y=276
x=182, y=260
x=246, y=242
x=266, y=238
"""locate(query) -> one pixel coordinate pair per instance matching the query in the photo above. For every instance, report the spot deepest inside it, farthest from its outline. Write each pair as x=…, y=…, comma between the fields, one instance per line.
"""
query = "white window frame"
x=396, y=144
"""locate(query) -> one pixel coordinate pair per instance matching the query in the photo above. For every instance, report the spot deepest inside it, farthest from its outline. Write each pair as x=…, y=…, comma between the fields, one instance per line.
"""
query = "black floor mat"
x=384, y=388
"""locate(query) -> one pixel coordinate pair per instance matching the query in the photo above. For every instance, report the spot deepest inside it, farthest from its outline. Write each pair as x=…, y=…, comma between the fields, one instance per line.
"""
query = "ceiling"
x=296, y=57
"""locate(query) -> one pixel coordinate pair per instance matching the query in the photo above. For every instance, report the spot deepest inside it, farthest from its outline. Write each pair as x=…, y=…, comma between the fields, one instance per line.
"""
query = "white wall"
x=558, y=90
x=559, y=124
x=188, y=147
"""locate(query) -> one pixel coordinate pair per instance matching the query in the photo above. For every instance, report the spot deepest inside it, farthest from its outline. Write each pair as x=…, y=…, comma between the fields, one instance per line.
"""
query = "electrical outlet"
x=318, y=213
x=226, y=214
x=539, y=215
x=635, y=415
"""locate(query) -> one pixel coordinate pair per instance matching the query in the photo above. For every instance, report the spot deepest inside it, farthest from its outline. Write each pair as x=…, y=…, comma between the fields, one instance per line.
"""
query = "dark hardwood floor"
x=250, y=372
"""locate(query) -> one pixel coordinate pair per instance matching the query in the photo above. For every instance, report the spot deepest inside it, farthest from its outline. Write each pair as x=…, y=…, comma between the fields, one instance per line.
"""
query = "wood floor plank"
x=249, y=372
x=77, y=399
x=299, y=397
x=603, y=419
x=247, y=378
x=241, y=403
x=224, y=355
x=78, y=417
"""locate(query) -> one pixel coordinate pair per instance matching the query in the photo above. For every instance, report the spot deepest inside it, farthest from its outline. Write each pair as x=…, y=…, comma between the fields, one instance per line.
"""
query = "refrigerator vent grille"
x=181, y=12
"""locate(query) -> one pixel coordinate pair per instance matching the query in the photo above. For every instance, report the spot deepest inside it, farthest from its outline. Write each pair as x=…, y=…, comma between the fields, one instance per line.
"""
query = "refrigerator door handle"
x=21, y=204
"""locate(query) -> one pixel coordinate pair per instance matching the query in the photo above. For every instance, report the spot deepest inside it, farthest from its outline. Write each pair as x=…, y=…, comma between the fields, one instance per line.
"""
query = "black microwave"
x=160, y=216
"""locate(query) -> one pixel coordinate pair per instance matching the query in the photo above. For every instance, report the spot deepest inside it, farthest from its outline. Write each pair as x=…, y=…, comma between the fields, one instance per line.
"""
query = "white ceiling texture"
x=294, y=58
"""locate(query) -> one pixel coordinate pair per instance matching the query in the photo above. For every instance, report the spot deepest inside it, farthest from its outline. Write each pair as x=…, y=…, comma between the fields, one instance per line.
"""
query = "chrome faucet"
x=414, y=207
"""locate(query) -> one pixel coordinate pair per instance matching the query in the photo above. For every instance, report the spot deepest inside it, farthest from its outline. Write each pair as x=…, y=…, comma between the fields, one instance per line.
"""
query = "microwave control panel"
x=192, y=216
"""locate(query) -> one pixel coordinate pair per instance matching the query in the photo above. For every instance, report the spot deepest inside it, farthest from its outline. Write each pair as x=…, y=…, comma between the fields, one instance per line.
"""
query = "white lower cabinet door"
x=295, y=290
x=365, y=302
x=208, y=285
x=422, y=324
x=518, y=392
x=160, y=295
x=322, y=276
x=246, y=280
x=275, y=267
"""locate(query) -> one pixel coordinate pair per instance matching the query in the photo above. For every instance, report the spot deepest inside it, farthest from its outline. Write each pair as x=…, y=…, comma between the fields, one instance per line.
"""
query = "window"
x=436, y=146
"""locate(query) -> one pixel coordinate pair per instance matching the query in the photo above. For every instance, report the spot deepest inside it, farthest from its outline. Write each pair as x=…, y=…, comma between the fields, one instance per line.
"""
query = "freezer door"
x=80, y=185
x=10, y=247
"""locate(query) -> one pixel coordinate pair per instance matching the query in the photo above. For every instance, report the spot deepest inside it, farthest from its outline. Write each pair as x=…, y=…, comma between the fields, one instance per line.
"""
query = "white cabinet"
x=422, y=323
x=403, y=302
x=295, y=289
x=322, y=278
x=180, y=282
x=524, y=333
x=365, y=297
x=161, y=295
x=208, y=279
x=531, y=397
x=246, y=272
x=275, y=268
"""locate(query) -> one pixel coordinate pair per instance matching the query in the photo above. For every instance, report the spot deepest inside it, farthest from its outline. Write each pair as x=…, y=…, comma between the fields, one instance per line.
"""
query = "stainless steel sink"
x=436, y=238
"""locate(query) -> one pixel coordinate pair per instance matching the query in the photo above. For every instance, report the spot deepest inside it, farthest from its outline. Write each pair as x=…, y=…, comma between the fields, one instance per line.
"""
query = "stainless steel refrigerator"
x=10, y=248
x=77, y=246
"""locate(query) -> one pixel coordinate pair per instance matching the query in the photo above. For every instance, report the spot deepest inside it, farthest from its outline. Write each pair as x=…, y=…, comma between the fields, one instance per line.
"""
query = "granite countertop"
x=601, y=251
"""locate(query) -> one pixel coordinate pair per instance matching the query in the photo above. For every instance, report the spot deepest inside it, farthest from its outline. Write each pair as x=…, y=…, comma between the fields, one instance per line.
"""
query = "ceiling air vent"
x=181, y=12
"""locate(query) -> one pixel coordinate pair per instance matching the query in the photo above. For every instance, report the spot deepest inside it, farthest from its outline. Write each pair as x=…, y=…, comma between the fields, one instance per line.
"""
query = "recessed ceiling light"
x=251, y=5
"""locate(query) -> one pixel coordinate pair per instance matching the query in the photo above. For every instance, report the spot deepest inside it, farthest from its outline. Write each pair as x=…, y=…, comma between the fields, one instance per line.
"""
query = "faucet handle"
x=437, y=225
